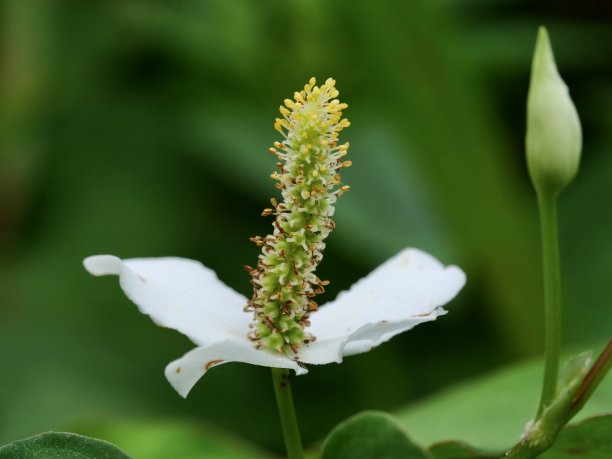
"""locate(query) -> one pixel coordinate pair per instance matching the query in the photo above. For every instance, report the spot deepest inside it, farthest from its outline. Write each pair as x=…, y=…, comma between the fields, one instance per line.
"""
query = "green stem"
x=552, y=296
x=541, y=434
x=596, y=374
x=520, y=451
x=291, y=432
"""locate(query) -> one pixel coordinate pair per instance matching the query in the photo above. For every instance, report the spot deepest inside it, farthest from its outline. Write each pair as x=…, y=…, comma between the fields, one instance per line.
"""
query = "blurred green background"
x=140, y=128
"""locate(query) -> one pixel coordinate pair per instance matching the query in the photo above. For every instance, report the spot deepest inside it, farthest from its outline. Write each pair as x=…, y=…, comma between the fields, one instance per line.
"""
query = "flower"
x=406, y=290
x=269, y=328
x=554, y=135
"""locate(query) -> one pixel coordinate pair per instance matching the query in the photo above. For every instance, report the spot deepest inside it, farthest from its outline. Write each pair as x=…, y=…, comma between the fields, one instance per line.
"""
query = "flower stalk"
x=284, y=400
x=552, y=296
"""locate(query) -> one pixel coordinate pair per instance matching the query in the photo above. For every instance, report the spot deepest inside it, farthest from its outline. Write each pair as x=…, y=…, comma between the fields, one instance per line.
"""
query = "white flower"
x=406, y=290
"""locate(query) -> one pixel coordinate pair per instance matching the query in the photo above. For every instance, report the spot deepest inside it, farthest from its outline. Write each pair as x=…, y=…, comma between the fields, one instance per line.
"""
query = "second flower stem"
x=552, y=295
x=291, y=432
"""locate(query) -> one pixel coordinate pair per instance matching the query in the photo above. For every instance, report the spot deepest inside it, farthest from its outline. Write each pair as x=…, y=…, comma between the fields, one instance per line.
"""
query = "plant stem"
x=552, y=295
x=291, y=432
x=541, y=434
x=521, y=451
x=596, y=374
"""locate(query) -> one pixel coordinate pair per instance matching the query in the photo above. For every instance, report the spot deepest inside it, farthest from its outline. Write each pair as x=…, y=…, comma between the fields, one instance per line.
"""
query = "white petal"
x=372, y=335
x=406, y=290
x=181, y=294
x=102, y=265
x=186, y=371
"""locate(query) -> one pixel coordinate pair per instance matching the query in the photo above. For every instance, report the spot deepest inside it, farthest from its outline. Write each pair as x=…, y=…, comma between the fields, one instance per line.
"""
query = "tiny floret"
x=554, y=136
x=284, y=281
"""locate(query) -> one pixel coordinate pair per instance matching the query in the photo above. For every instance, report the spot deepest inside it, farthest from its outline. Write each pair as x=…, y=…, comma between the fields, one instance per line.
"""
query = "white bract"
x=406, y=290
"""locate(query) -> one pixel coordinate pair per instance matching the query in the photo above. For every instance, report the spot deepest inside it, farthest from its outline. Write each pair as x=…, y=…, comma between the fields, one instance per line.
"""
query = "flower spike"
x=308, y=176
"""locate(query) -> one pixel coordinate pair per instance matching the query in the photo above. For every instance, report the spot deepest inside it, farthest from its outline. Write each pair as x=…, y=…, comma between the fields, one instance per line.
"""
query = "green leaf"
x=491, y=412
x=589, y=439
x=370, y=435
x=53, y=445
x=457, y=450
x=184, y=439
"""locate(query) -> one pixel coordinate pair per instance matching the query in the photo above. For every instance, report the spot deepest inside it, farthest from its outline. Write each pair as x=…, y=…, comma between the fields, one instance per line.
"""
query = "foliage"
x=367, y=435
x=58, y=444
x=164, y=438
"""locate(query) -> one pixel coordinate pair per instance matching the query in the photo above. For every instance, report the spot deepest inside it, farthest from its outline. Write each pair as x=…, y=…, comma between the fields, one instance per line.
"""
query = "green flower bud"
x=308, y=175
x=554, y=136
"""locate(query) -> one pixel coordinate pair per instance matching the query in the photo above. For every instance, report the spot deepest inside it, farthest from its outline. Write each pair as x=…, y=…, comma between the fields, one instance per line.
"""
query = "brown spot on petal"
x=178, y=370
x=212, y=363
x=405, y=261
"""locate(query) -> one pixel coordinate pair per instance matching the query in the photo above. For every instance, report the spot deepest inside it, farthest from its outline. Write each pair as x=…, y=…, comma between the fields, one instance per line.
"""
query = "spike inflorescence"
x=309, y=160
